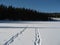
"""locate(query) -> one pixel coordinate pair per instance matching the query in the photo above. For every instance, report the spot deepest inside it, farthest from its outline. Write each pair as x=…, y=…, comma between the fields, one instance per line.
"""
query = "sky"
x=39, y=5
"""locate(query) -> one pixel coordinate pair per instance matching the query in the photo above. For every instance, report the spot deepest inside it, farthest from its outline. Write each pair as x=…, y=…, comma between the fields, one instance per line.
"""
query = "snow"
x=58, y=19
x=49, y=33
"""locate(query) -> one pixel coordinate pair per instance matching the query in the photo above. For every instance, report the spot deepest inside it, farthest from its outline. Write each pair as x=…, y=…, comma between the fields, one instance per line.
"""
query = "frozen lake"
x=49, y=33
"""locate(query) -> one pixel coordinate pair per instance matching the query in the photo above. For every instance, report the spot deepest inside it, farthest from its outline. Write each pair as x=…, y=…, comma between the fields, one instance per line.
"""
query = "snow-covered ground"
x=49, y=33
x=58, y=19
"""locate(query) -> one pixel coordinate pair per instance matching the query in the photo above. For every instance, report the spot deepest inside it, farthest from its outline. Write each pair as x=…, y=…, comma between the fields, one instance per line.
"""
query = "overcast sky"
x=39, y=5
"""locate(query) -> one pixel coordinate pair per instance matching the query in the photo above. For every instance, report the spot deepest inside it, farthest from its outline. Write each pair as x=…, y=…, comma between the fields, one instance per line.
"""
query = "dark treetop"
x=24, y=14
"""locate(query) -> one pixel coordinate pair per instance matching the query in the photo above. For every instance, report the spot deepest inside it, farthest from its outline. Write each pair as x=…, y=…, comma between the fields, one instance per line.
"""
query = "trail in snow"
x=49, y=32
x=13, y=37
x=37, y=37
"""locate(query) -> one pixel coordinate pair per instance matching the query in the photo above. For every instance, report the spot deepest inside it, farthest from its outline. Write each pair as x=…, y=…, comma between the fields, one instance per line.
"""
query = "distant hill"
x=24, y=14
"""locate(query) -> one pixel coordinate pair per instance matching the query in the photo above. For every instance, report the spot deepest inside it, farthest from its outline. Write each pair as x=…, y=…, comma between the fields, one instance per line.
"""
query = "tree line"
x=23, y=14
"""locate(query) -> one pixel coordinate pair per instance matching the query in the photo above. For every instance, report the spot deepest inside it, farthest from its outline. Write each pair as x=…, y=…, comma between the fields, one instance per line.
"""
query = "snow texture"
x=30, y=33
